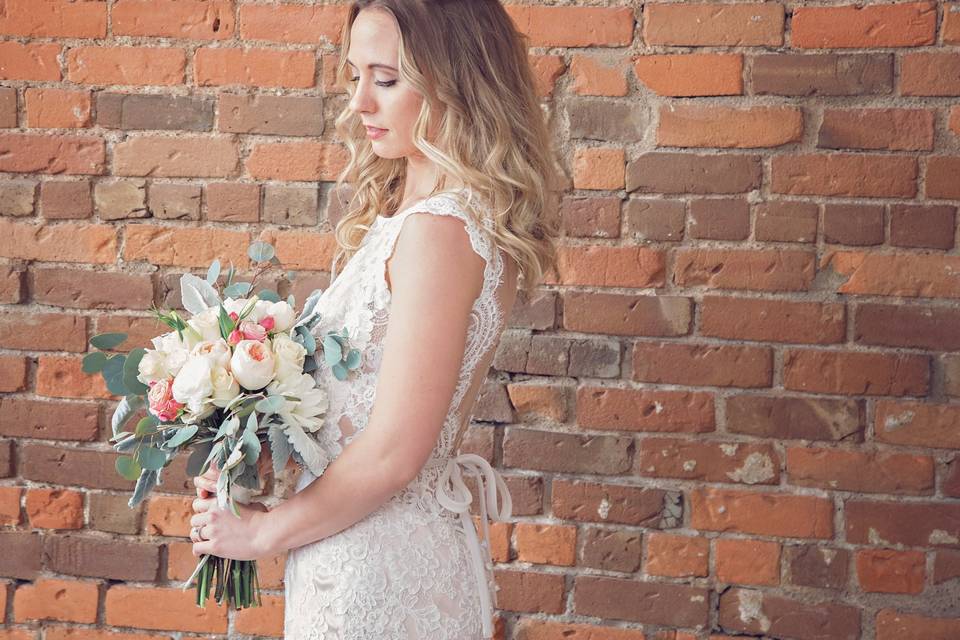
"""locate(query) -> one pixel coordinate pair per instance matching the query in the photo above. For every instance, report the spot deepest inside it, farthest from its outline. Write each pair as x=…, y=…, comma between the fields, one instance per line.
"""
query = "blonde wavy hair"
x=470, y=63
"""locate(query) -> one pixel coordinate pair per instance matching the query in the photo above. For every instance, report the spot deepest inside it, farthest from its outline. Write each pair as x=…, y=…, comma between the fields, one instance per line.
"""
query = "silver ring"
x=200, y=532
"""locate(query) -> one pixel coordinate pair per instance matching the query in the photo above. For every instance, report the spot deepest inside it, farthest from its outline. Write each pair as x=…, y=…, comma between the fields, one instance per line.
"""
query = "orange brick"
x=693, y=74
x=856, y=372
x=918, y=424
x=591, y=77
x=573, y=26
x=709, y=24
x=951, y=23
x=644, y=410
x=955, y=113
x=297, y=161
x=162, y=608
x=747, y=561
x=266, y=620
x=936, y=73
x=169, y=516
x=548, y=401
x=546, y=71
x=308, y=250
x=499, y=538
x=891, y=571
x=599, y=168
x=677, y=556
x=35, y=153
x=606, y=266
x=546, y=544
x=767, y=514
x=187, y=247
x=897, y=625
x=10, y=507
x=56, y=632
x=292, y=24
x=57, y=108
x=914, y=275
x=254, y=67
x=126, y=65
x=188, y=19
x=54, y=19
x=728, y=127
x=866, y=471
x=534, y=629
x=61, y=600
x=54, y=508
x=29, y=61
x=183, y=156
x=909, y=24
x=63, y=377
x=85, y=243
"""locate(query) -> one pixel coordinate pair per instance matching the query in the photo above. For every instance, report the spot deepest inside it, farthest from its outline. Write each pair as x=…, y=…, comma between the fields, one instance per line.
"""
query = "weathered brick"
x=573, y=26
x=742, y=462
x=271, y=115
x=43, y=332
x=660, y=172
x=594, y=359
x=853, y=224
x=917, y=326
x=719, y=219
x=54, y=508
x=891, y=571
x=169, y=201
x=845, y=174
x=161, y=608
x=65, y=200
x=706, y=365
x=772, y=320
x=691, y=74
x=644, y=410
x=544, y=400
x=187, y=19
x=132, y=111
x=768, y=514
x=933, y=73
x=121, y=199
x=692, y=125
x=186, y=247
x=918, y=424
x=596, y=217
x=57, y=18
x=14, y=372
x=493, y=404
x=51, y=108
x=941, y=177
x=894, y=625
x=786, y=221
x=747, y=561
x=598, y=168
x=566, y=453
x=546, y=70
x=8, y=107
x=253, y=67
x=28, y=418
x=646, y=602
x=12, y=283
x=600, y=119
x=815, y=566
x=856, y=373
x=109, y=512
x=62, y=377
x=534, y=311
x=185, y=156
x=785, y=417
x=823, y=74
x=946, y=566
x=595, y=502
x=290, y=205
x=627, y=315
x=6, y=458
x=60, y=466
x=866, y=472
x=923, y=226
x=909, y=24
x=17, y=198
x=611, y=549
x=782, y=617
x=292, y=24
x=548, y=355
x=9, y=513
x=84, y=555
x=38, y=153
x=265, y=620
x=915, y=524
x=601, y=266
x=169, y=515
x=536, y=629
x=22, y=554
x=677, y=556
x=99, y=65
x=55, y=599
x=527, y=494
x=706, y=24
x=886, y=129
x=594, y=76
x=296, y=161
x=546, y=543
x=233, y=202
x=91, y=289
x=657, y=220
x=529, y=591
x=29, y=61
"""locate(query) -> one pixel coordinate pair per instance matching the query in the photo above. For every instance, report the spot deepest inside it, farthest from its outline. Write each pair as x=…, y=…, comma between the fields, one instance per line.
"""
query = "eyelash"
x=385, y=83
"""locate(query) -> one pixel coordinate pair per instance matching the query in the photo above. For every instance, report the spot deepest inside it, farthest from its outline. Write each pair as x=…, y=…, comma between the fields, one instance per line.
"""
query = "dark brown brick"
x=781, y=617
x=21, y=557
x=918, y=326
x=8, y=107
x=690, y=173
x=83, y=555
x=856, y=372
x=703, y=365
x=175, y=113
x=601, y=119
x=66, y=200
x=647, y=602
x=816, y=566
x=795, y=418
x=91, y=289
x=853, y=224
x=233, y=202
x=537, y=310
x=594, y=359
x=655, y=220
x=549, y=355
x=49, y=420
x=787, y=221
x=946, y=566
x=6, y=458
x=591, y=217
x=878, y=129
x=825, y=74
x=174, y=201
x=529, y=591
x=492, y=404
x=109, y=512
x=512, y=351
x=923, y=226
x=276, y=115
x=526, y=493
x=17, y=197
x=596, y=502
x=67, y=467
x=611, y=549
x=720, y=219
x=43, y=332
x=942, y=180
x=566, y=453
x=915, y=524
x=290, y=205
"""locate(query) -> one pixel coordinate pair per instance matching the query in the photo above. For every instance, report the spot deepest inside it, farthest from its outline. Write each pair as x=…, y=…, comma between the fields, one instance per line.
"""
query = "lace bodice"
x=358, y=299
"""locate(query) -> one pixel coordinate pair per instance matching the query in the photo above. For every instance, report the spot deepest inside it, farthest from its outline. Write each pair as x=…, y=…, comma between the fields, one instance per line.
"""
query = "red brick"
x=186, y=19
x=9, y=512
x=84, y=243
x=63, y=377
x=54, y=19
x=768, y=514
x=224, y=66
x=747, y=561
x=573, y=26
x=169, y=515
x=923, y=226
x=909, y=24
x=918, y=424
x=13, y=375
x=690, y=125
x=296, y=161
x=627, y=315
x=57, y=108
x=705, y=24
x=265, y=620
x=918, y=524
x=896, y=625
x=595, y=502
x=930, y=74
x=35, y=153
x=691, y=74
x=750, y=269
x=546, y=543
x=759, y=612
x=644, y=410
x=528, y=591
x=708, y=461
x=904, y=274
x=30, y=418
x=602, y=266
x=566, y=452
x=593, y=76
x=677, y=556
x=787, y=221
x=772, y=320
x=55, y=632
x=546, y=71
x=91, y=289
x=292, y=24
x=855, y=372
x=302, y=250
x=186, y=247
x=547, y=401
x=126, y=65
x=183, y=156
x=233, y=202
x=54, y=508
x=611, y=549
x=535, y=629
x=657, y=603
x=12, y=281
x=54, y=599
x=598, y=168
x=597, y=217
x=29, y=61
x=881, y=129
x=43, y=331
x=951, y=23
x=941, y=177
x=861, y=471
x=703, y=365
x=846, y=175
x=66, y=199
x=162, y=608
x=946, y=566
x=891, y=571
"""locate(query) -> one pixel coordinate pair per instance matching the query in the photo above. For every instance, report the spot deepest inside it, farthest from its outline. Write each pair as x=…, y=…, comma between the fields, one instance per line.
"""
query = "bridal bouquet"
x=223, y=382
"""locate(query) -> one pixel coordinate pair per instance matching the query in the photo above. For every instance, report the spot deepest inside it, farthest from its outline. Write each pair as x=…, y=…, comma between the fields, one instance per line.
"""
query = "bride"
x=449, y=170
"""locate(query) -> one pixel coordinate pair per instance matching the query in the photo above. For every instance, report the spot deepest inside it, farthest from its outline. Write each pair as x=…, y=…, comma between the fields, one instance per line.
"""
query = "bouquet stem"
x=235, y=579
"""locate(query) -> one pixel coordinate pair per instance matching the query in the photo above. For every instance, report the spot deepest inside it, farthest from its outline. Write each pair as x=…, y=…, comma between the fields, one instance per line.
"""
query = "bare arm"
x=435, y=276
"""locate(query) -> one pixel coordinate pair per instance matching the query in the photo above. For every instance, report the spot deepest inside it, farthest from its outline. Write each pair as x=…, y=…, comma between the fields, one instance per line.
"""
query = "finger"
x=203, y=547
x=200, y=505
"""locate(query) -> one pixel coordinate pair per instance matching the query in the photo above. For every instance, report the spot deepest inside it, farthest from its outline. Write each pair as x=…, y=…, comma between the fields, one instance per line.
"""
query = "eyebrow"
x=375, y=65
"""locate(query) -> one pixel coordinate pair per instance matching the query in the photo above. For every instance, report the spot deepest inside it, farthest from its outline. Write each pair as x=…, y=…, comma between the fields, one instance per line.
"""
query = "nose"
x=362, y=100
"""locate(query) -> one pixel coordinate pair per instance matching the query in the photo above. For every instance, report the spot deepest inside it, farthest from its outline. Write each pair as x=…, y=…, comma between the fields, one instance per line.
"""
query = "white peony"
x=175, y=350
x=152, y=367
x=207, y=323
x=217, y=351
x=308, y=411
x=290, y=356
x=193, y=384
x=225, y=387
x=252, y=364
x=282, y=314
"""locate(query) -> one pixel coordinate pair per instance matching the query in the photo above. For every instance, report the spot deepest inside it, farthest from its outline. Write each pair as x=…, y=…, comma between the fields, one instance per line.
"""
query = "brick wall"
x=734, y=410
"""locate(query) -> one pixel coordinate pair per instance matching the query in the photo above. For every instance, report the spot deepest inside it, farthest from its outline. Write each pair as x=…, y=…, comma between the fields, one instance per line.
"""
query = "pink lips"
x=374, y=132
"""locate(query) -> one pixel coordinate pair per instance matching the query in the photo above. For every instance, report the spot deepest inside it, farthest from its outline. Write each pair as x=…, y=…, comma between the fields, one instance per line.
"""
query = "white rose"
x=234, y=305
x=217, y=351
x=252, y=364
x=260, y=309
x=153, y=366
x=193, y=385
x=290, y=356
x=170, y=342
x=207, y=323
x=225, y=387
x=283, y=315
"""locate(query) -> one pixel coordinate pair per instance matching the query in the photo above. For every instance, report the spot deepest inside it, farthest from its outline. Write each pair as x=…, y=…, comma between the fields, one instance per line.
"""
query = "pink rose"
x=235, y=337
x=267, y=322
x=161, y=400
x=253, y=331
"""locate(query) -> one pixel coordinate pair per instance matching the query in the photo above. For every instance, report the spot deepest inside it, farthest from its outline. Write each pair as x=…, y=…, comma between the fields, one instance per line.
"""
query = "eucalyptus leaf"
x=309, y=364
x=94, y=362
x=127, y=444
x=128, y=467
x=332, y=351
x=280, y=448
x=270, y=404
x=213, y=272
x=198, y=457
x=181, y=435
x=251, y=424
x=308, y=306
x=260, y=251
x=147, y=481
x=231, y=272
x=339, y=371
x=113, y=376
x=237, y=290
x=291, y=276
x=251, y=447
x=131, y=369
x=145, y=427
x=250, y=478
x=151, y=458
x=353, y=359
x=124, y=411
x=197, y=294
x=106, y=341
x=269, y=295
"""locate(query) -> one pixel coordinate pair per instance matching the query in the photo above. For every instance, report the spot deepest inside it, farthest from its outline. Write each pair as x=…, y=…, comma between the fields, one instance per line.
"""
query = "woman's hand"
x=207, y=483
x=224, y=534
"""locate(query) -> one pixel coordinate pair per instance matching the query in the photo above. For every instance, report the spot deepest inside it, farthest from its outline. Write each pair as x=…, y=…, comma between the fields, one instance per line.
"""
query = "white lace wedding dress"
x=413, y=569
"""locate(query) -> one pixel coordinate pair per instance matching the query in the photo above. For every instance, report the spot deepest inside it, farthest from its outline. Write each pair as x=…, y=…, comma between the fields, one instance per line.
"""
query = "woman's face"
x=384, y=103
